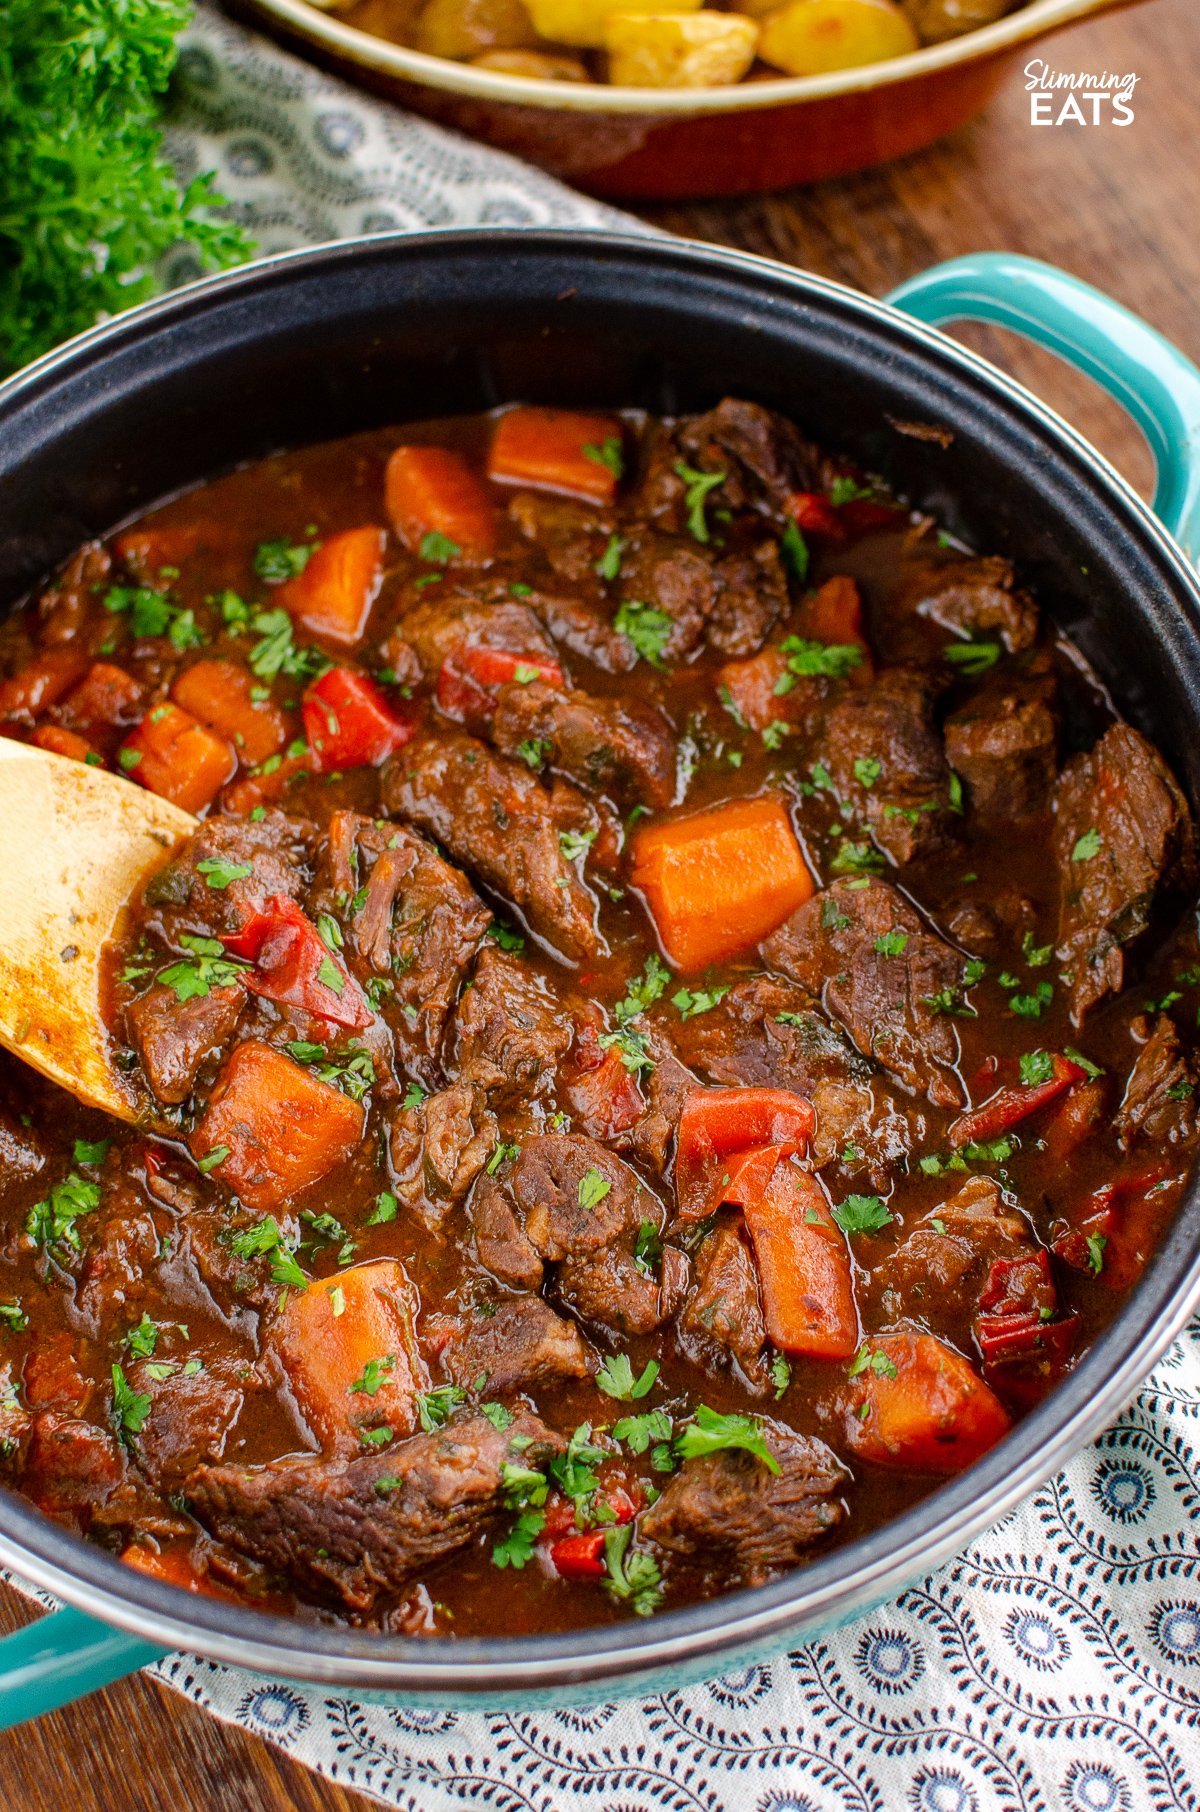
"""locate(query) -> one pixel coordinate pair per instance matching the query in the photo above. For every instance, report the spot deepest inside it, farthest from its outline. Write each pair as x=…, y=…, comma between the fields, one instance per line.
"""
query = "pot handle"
x=62, y=1657
x=1150, y=378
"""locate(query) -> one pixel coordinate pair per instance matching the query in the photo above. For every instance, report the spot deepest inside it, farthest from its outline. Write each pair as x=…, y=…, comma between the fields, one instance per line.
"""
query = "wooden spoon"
x=75, y=842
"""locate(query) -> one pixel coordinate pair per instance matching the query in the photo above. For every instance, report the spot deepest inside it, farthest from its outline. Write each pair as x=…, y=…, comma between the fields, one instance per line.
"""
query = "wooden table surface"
x=1119, y=206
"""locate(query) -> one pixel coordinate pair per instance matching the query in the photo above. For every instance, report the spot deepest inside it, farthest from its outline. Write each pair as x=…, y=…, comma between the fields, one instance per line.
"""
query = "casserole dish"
x=319, y=343
x=663, y=144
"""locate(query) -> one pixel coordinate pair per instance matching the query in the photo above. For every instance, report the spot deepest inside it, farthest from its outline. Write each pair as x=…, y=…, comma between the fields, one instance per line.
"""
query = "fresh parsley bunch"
x=87, y=200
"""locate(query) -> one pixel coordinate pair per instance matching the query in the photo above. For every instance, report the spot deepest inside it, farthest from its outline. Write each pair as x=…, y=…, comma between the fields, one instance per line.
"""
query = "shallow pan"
x=319, y=343
x=672, y=143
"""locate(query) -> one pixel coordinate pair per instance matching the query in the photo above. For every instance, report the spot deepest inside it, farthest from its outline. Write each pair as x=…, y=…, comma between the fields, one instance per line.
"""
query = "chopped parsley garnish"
x=1036, y=955
x=816, y=660
x=499, y=1156
x=774, y=735
x=972, y=658
x=151, y=613
x=638, y=1432
x=88, y=1151
x=862, y=1214
x=615, y=1378
x=435, y=1407
x=781, y=1374
x=52, y=1221
x=276, y=652
x=695, y=497
x=517, y=1547
x=711, y=1432
x=891, y=943
x=220, y=874
x=13, y=1316
x=438, y=549
x=856, y=859
x=384, y=1209
x=644, y=989
x=574, y=844
x=949, y=1000
x=634, y=1577
x=1096, y=1243
x=330, y=975
x=608, y=566
x=143, y=1339
x=505, y=936
x=865, y=1360
x=867, y=770
x=1088, y=845
x=848, y=490
x=1036, y=1067
x=592, y=1189
x=414, y=1095
x=352, y=1070
x=277, y=561
x=1091, y=1070
x=535, y=751
x=211, y=1159
x=376, y=1437
x=793, y=551
x=374, y=1375
x=632, y=1045
x=499, y=1417
x=130, y=1407
x=703, y=1000
x=648, y=628
x=208, y=967
x=609, y=454
x=1031, y=1006
x=647, y=1249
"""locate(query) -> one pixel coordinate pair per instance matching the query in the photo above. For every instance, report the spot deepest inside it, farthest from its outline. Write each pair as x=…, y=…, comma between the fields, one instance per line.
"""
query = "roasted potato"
x=937, y=20
x=581, y=22
x=462, y=29
x=814, y=37
x=533, y=65
x=678, y=50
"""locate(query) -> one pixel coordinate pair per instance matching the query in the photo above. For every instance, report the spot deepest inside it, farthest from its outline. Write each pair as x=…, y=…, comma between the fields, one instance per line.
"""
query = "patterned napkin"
x=1055, y=1666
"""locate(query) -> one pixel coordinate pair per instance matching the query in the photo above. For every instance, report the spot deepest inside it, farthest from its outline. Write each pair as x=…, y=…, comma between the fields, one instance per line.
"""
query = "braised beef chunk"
x=410, y=918
x=768, y=1033
x=721, y=1323
x=438, y=1146
x=762, y=453
x=509, y=1031
x=943, y=1263
x=354, y=1529
x=502, y=1245
x=501, y=823
x=570, y=536
x=603, y=745
x=974, y=598
x=1122, y=833
x=732, y=1503
x=516, y=1344
x=894, y=985
x=190, y=1419
x=232, y=864
x=886, y=759
x=665, y=1088
x=174, y=1038
x=584, y=629
x=734, y=600
x=1159, y=1105
x=1003, y=745
x=436, y=627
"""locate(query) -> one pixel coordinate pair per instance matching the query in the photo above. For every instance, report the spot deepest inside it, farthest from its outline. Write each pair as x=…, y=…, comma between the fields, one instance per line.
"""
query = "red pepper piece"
x=293, y=966
x=717, y=1123
x=862, y=514
x=813, y=514
x=579, y=1556
x=470, y=676
x=349, y=723
x=1010, y=1105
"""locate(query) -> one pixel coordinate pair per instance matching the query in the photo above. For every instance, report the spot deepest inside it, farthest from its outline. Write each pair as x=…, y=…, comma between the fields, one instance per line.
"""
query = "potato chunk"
x=582, y=22
x=815, y=37
x=533, y=65
x=461, y=29
x=937, y=20
x=672, y=50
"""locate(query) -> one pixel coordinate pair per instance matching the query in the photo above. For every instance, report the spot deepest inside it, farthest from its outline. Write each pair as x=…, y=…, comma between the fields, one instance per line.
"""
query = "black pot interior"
x=320, y=345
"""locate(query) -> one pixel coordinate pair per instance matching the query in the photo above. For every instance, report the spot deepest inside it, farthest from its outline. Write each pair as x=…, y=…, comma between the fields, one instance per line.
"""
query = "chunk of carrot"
x=333, y=595
x=803, y=1266
x=268, y=782
x=41, y=682
x=720, y=881
x=64, y=742
x=557, y=450
x=279, y=1126
x=915, y=1404
x=834, y=613
x=221, y=695
x=348, y=1347
x=433, y=491
x=716, y=1123
x=144, y=552
x=177, y=758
